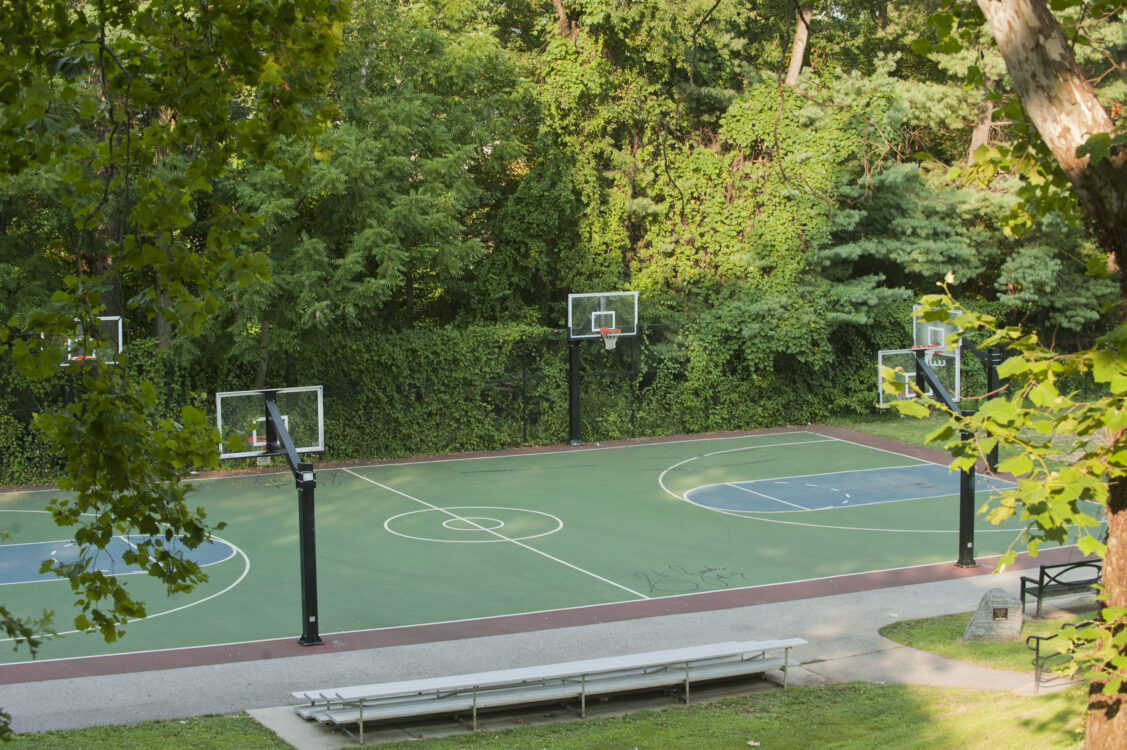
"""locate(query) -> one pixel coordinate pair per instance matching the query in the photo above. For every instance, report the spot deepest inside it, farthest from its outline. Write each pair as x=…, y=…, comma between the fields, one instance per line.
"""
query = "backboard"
x=588, y=314
x=946, y=367
x=102, y=345
x=241, y=419
x=934, y=332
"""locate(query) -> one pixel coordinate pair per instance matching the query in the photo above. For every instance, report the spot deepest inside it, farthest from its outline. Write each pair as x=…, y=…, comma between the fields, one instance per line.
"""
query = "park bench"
x=1048, y=659
x=569, y=681
x=1043, y=662
x=1060, y=580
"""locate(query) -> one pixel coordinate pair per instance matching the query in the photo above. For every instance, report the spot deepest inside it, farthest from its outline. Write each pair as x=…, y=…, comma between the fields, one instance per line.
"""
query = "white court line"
x=494, y=533
x=661, y=477
x=777, y=500
x=781, y=522
x=882, y=450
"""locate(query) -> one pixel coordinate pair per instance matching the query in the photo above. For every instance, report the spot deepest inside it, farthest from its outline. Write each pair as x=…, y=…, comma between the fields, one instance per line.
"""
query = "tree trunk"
x=980, y=136
x=263, y=355
x=162, y=328
x=798, y=48
x=1107, y=714
x=569, y=29
x=1065, y=111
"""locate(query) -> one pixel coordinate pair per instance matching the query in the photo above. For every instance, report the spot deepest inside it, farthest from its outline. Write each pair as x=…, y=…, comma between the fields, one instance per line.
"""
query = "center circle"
x=475, y=524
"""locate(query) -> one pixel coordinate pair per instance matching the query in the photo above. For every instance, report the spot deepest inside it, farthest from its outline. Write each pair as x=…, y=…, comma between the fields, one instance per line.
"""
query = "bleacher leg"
x=583, y=696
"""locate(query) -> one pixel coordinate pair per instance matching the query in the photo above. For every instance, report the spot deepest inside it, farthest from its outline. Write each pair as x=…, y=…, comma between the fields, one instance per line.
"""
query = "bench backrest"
x=1071, y=572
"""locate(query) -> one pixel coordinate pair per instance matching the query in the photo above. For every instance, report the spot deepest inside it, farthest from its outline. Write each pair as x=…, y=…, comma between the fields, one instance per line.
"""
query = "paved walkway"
x=842, y=631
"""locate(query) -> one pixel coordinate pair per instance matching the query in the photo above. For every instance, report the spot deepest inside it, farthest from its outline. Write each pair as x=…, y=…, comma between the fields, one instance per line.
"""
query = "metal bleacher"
x=563, y=682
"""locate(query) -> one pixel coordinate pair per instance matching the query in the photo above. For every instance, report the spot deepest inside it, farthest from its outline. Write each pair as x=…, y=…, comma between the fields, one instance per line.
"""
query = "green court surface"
x=437, y=541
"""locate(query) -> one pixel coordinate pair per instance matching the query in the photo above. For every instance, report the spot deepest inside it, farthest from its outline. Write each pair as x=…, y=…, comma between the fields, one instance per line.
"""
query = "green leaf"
x=1044, y=394
x=942, y=433
x=912, y=408
x=1013, y=367
x=1089, y=545
x=963, y=463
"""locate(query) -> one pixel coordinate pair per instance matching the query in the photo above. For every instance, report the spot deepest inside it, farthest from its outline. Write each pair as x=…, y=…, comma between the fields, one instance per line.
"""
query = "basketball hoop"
x=929, y=350
x=610, y=337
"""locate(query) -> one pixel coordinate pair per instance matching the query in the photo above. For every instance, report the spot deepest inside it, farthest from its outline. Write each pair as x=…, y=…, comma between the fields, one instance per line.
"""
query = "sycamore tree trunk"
x=1065, y=111
x=798, y=47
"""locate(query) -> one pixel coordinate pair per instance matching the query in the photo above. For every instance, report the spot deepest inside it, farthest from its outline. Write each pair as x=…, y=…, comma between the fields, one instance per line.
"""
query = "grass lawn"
x=852, y=715
x=237, y=732
x=889, y=424
x=856, y=715
x=943, y=636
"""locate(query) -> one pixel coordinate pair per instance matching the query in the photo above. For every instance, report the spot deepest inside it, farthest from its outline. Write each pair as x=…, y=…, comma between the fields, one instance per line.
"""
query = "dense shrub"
x=446, y=389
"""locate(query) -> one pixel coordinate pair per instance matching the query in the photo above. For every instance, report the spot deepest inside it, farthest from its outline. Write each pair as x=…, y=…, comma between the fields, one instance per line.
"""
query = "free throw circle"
x=476, y=524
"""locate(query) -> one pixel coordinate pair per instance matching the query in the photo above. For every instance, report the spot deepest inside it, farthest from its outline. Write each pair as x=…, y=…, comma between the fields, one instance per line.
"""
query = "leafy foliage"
x=119, y=117
x=1032, y=414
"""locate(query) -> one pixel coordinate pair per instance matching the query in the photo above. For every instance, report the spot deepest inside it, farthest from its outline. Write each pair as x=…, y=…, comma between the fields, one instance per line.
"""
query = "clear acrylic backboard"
x=934, y=333
x=241, y=419
x=102, y=345
x=947, y=368
x=589, y=314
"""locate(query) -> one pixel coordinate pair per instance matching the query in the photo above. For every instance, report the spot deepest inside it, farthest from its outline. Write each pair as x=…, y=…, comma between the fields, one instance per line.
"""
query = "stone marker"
x=998, y=618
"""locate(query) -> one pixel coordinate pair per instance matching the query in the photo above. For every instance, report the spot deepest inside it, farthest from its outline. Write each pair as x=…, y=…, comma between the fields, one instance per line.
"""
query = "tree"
x=1083, y=152
x=137, y=108
x=798, y=47
x=392, y=216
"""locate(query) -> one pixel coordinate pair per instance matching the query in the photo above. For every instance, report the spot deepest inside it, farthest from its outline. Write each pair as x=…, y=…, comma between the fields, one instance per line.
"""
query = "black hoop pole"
x=307, y=541
x=966, y=514
x=995, y=355
x=573, y=391
x=990, y=359
x=926, y=378
x=278, y=439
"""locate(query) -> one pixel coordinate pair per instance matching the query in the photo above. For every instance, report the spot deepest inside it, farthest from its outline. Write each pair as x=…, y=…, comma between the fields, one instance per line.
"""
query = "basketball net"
x=610, y=337
x=930, y=350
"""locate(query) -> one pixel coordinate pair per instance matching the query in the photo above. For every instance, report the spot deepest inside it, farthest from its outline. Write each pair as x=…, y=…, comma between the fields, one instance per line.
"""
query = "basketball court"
x=517, y=540
x=454, y=540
